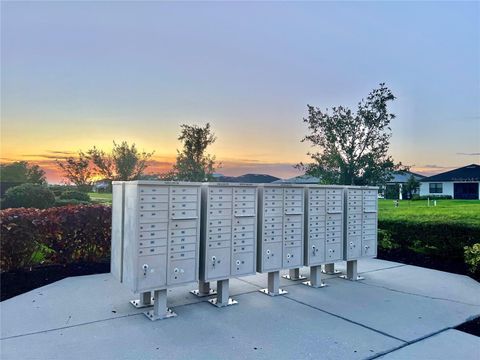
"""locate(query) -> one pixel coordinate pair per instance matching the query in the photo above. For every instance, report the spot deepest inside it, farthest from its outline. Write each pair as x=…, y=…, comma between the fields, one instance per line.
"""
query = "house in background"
x=394, y=187
x=302, y=179
x=461, y=183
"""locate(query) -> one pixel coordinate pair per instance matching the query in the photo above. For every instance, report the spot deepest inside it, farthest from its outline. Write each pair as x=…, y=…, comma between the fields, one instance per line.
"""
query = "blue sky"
x=78, y=74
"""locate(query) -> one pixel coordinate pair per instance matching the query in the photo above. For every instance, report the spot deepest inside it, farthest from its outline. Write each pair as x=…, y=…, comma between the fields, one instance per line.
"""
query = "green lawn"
x=101, y=198
x=454, y=211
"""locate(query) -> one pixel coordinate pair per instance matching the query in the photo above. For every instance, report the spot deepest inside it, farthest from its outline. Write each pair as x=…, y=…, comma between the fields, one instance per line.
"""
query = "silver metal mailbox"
x=280, y=231
x=361, y=217
x=158, y=245
x=228, y=237
x=323, y=229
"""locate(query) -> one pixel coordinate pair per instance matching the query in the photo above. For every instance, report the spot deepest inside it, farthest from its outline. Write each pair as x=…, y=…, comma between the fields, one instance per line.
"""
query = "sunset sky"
x=79, y=74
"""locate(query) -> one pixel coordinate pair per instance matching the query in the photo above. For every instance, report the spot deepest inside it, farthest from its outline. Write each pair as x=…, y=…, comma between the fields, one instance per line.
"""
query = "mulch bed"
x=18, y=282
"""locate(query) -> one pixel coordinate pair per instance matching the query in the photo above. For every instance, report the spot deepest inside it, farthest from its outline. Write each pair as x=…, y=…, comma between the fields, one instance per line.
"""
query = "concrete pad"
x=369, y=265
x=83, y=299
x=260, y=279
x=260, y=327
x=427, y=282
x=404, y=316
x=448, y=345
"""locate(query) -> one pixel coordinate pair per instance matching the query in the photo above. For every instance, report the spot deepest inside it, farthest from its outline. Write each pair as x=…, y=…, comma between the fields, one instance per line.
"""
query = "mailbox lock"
x=313, y=249
x=238, y=262
x=268, y=251
x=289, y=256
x=176, y=270
x=145, y=268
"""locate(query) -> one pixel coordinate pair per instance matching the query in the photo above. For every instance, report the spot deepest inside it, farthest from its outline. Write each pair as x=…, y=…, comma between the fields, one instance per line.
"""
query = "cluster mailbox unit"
x=323, y=229
x=280, y=232
x=228, y=237
x=361, y=204
x=158, y=245
x=167, y=233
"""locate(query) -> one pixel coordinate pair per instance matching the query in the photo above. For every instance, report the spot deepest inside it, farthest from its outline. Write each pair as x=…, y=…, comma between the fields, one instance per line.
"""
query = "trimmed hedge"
x=29, y=196
x=442, y=240
x=75, y=195
x=431, y=197
x=57, y=235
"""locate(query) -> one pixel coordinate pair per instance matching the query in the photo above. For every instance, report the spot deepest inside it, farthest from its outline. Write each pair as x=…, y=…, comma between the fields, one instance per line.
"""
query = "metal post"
x=330, y=269
x=352, y=273
x=145, y=300
x=223, y=298
x=315, y=277
x=294, y=275
x=203, y=289
x=273, y=288
x=160, y=310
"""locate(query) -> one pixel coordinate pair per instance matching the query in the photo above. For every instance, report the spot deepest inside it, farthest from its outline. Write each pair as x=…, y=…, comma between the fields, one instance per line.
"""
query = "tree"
x=77, y=170
x=124, y=163
x=354, y=144
x=192, y=163
x=21, y=172
x=411, y=186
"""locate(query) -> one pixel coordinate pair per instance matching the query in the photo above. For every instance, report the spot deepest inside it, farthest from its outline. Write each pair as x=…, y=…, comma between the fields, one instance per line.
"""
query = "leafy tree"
x=22, y=172
x=192, y=163
x=77, y=170
x=354, y=145
x=411, y=186
x=124, y=163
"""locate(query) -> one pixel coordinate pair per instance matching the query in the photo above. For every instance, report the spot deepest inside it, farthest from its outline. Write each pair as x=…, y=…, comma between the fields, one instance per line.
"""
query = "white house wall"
x=447, y=188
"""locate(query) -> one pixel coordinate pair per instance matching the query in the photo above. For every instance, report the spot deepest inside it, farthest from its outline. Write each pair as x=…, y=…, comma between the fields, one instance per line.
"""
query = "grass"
x=101, y=198
x=451, y=211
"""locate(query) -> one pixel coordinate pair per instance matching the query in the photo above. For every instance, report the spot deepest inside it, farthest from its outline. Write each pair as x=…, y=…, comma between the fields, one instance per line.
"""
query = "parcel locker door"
x=151, y=272
x=181, y=271
x=218, y=263
x=292, y=256
x=272, y=256
x=243, y=263
x=354, y=247
x=316, y=252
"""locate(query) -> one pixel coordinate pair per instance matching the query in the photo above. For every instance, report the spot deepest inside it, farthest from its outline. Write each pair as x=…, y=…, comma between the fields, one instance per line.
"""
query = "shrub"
x=67, y=202
x=29, y=196
x=61, y=235
x=441, y=239
x=472, y=257
x=59, y=189
x=19, y=234
x=385, y=241
x=75, y=195
x=431, y=197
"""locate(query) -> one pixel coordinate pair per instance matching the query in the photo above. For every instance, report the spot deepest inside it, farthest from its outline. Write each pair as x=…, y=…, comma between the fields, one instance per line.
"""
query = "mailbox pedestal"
x=294, y=275
x=228, y=238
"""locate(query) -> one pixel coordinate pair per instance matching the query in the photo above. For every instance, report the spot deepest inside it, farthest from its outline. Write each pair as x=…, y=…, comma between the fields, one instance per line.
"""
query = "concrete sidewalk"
x=397, y=312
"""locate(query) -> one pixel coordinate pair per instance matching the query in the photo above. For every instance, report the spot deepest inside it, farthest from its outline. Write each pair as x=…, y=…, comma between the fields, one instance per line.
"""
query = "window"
x=436, y=188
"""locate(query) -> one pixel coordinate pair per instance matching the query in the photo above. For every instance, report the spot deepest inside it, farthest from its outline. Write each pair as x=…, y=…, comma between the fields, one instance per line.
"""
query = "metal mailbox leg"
x=315, y=277
x=160, y=310
x=223, y=299
x=203, y=289
x=352, y=273
x=330, y=269
x=274, y=285
x=294, y=275
x=145, y=300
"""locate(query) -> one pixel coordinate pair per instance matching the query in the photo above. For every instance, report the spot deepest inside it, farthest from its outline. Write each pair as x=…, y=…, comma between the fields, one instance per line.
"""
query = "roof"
x=403, y=176
x=467, y=173
x=302, y=179
x=247, y=178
